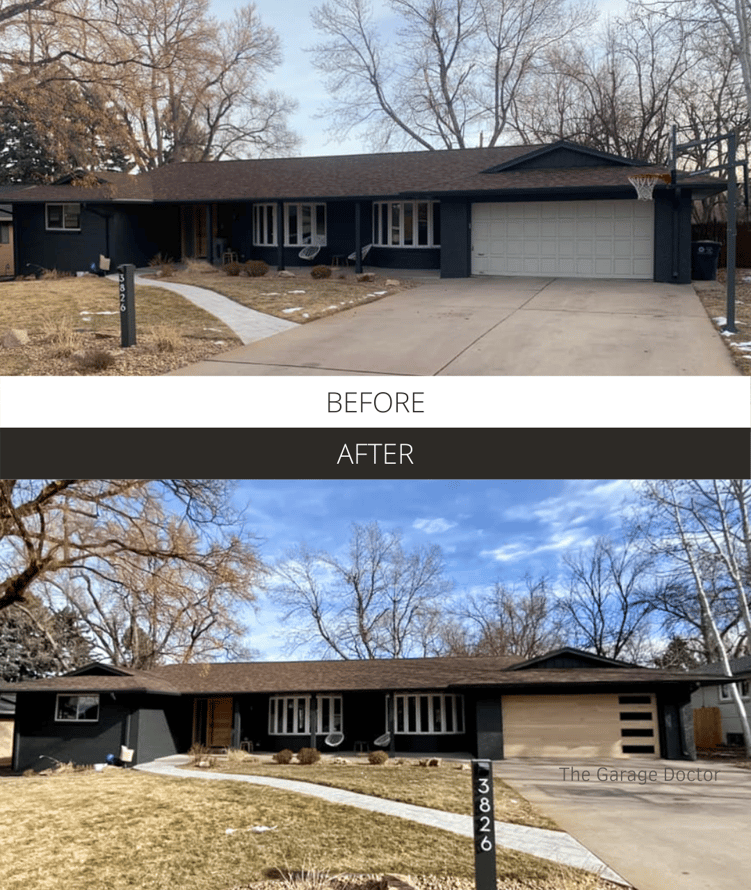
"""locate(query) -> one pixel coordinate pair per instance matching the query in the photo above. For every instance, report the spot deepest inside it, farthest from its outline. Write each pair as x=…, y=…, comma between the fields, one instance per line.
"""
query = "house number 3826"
x=484, y=824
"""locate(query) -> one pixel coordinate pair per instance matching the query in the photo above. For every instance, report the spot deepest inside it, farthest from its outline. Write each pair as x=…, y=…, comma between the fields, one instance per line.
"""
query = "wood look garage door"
x=600, y=725
x=568, y=239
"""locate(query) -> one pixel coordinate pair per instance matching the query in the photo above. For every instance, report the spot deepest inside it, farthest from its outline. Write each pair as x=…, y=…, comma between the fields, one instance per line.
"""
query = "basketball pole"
x=732, y=187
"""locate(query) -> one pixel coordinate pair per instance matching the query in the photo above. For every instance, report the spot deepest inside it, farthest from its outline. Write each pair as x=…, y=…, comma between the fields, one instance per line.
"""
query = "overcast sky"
x=297, y=76
x=488, y=530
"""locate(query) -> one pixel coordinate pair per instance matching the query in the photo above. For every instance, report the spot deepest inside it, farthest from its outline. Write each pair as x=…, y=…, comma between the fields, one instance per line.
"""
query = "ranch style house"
x=568, y=703
x=552, y=210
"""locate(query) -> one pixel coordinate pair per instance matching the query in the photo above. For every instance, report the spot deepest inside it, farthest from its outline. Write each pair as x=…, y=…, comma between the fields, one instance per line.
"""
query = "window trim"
x=744, y=690
x=259, y=212
x=315, y=238
x=76, y=719
x=274, y=714
x=63, y=227
x=457, y=713
x=384, y=222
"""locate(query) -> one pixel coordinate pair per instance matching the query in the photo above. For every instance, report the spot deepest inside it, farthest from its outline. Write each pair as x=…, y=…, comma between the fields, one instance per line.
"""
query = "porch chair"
x=310, y=251
x=364, y=251
x=334, y=739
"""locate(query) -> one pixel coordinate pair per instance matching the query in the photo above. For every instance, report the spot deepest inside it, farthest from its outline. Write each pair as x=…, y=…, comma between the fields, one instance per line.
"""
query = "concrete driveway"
x=676, y=831
x=499, y=326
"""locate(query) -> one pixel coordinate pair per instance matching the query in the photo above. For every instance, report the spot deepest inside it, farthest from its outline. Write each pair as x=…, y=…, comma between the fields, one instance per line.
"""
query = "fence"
x=717, y=231
x=707, y=727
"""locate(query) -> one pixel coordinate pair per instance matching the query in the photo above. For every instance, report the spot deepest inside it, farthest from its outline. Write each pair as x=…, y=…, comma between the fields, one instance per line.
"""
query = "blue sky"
x=488, y=530
x=297, y=76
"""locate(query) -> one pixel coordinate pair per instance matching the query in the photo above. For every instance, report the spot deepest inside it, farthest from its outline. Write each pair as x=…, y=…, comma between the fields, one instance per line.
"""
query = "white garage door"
x=574, y=239
x=597, y=725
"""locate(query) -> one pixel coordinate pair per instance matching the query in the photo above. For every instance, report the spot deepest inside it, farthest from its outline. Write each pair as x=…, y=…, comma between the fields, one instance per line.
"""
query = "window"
x=4, y=233
x=264, y=225
x=77, y=708
x=434, y=713
x=290, y=714
x=725, y=690
x=304, y=224
x=66, y=217
x=406, y=223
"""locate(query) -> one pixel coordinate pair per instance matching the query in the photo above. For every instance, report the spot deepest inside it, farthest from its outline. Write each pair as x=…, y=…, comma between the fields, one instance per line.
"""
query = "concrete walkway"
x=247, y=324
x=556, y=846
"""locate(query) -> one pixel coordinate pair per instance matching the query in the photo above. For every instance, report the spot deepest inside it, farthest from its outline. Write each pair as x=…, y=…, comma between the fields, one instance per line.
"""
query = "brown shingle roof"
x=344, y=676
x=367, y=176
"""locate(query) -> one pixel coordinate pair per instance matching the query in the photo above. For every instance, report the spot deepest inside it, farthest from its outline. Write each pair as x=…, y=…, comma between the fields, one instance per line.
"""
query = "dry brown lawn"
x=443, y=788
x=300, y=299
x=68, y=320
x=121, y=829
x=713, y=296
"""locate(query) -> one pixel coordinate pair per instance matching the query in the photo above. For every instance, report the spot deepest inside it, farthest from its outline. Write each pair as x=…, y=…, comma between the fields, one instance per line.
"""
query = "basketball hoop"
x=644, y=183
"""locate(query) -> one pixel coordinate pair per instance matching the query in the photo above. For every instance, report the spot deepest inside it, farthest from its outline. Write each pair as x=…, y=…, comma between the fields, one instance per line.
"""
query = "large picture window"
x=304, y=224
x=406, y=223
x=430, y=713
x=64, y=217
x=77, y=708
x=290, y=714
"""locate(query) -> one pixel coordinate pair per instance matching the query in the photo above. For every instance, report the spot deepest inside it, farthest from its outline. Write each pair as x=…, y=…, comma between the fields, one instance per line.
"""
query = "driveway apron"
x=498, y=326
x=678, y=830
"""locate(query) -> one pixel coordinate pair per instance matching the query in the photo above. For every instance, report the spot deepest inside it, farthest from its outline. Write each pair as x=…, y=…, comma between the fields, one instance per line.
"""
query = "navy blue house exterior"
x=567, y=703
x=559, y=209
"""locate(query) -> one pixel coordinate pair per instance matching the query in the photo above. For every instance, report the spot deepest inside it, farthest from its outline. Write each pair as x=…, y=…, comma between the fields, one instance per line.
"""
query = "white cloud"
x=433, y=526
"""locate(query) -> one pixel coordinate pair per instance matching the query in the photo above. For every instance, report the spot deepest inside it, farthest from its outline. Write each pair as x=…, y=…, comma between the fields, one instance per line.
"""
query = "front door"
x=213, y=722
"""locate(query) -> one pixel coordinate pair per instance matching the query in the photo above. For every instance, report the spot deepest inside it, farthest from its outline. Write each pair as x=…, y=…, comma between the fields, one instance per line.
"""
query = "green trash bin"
x=704, y=257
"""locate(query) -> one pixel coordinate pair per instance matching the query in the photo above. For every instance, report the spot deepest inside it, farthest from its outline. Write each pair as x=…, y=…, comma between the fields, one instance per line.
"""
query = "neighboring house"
x=7, y=715
x=559, y=209
x=566, y=704
x=7, y=264
x=723, y=723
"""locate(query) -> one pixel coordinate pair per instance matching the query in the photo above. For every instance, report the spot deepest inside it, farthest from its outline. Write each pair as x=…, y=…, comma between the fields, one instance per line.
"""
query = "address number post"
x=127, y=305
x=484, y=824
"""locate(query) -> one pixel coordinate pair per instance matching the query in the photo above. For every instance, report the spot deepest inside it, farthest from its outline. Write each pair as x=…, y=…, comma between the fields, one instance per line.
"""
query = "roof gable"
x=568, y=657
x=563, y=154
x=98, y=669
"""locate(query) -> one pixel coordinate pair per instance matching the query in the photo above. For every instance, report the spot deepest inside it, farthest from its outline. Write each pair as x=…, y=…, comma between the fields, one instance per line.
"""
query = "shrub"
x=237, y=755
x=198, y=752
x=164, y=265
x=256, y=268
x=320, y=272
x=166, y=338
x=283, y=756
x=308, y=755
x=96, y=360
x=378, y=757
x=232, y=269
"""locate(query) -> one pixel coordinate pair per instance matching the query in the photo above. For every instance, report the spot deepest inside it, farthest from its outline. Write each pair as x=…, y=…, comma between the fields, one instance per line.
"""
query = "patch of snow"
x=296, y=309
x=305, y=315
x=720, y=320
x=273, y=293
x=331, y=307
x=295, y=291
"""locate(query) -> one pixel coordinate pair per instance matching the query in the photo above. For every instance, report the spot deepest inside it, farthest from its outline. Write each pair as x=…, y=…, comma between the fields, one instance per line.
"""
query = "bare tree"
x=450, y=76
x=520, y=620
x=609, y=598
x=699, y=525
x=167, y=562
x=372, y=602
x=160, y=81
x=615, y=93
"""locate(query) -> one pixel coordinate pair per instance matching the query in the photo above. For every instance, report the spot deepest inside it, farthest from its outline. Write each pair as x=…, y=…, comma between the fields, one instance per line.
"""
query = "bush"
x=96, y=360
x=164, y=265
x=308, y=755
x=256, y=268
x=320, y=272
x=284, y=756
x=232, y=268
x=378, y=757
